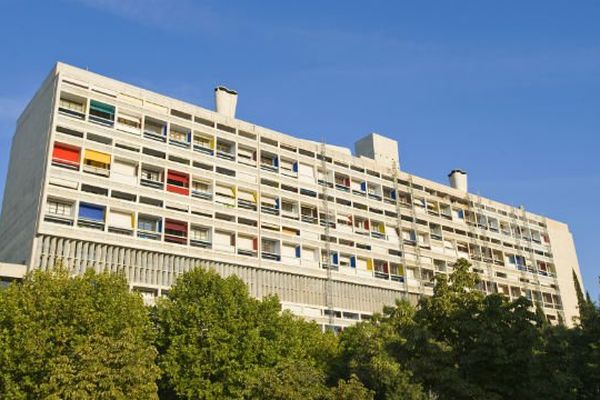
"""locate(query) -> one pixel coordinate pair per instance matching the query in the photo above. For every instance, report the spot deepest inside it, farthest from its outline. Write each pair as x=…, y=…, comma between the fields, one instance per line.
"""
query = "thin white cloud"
x=171, y=15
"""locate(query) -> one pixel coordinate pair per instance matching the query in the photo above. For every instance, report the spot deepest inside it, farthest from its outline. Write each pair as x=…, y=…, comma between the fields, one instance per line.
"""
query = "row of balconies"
x=183, y=137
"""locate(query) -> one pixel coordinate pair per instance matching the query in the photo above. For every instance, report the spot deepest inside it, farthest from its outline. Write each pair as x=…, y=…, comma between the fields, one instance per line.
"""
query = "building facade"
x=107, y=175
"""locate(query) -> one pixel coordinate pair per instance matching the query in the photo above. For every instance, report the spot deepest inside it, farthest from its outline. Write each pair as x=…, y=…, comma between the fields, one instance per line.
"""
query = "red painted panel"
x=65, y=153
x=179, y=177
x=176, y=225
x=178, y=189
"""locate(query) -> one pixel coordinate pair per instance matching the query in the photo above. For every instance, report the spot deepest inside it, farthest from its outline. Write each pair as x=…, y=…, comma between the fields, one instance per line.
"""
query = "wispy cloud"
x=171, y=15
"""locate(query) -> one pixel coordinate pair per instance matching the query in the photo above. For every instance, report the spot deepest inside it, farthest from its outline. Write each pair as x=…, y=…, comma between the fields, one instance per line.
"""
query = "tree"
x=352, y=389
x=586, y=345
x=369, y=350
x=218, y=342
x=65, y=337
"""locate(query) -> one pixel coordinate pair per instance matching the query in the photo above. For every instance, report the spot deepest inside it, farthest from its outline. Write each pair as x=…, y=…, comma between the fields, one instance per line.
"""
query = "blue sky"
x=509, y=91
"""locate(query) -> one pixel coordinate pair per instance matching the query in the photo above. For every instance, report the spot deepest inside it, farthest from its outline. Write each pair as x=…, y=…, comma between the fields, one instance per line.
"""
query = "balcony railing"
x=90, y=223
x=270, y=256
x=205, y=244
x=226, y=155
x=159, y=137
x=59, y=219
x=247, y=205
x=152, y=235
x=71, y=113
x=202, y=195
x=203, y=149
x=247, y=252
x=152, y=183
x=96, y=170
x=120, y=230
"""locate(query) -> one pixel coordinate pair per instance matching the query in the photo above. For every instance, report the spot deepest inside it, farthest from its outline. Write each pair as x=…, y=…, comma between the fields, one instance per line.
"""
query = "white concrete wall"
x=565, y=258
x=24, y=183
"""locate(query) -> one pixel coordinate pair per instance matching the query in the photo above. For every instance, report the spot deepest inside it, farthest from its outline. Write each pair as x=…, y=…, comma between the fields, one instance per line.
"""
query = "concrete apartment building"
x=107, y=175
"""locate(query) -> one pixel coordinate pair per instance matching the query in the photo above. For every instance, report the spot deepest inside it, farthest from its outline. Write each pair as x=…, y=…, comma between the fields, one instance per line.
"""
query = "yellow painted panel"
x=101, y=158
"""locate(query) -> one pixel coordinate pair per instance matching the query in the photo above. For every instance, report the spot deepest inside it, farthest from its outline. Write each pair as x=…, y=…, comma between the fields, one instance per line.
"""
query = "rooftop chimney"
x=225, y=101
x=458, y=179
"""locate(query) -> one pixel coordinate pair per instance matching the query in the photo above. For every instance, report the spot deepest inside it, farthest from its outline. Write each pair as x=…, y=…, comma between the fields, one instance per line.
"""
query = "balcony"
x=269, y=209
x=326, y=265
x=310, y=218
x=202, y=195
x=120, y=230
x=59, y=219
x=96, y=170
x=247, y=252
x=90, y=223
x=378, y=235
x=152, y=183
x=204, y=244
x=381, y=275
x=155, y=130
x=102, y=113
x=247, y=205
x=174, y=238
x=72, y=106
x=270, y=256
x=147, y=234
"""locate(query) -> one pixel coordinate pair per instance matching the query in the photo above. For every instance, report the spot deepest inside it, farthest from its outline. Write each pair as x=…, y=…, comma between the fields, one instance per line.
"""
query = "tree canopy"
x=84, y=337
x=89, y=336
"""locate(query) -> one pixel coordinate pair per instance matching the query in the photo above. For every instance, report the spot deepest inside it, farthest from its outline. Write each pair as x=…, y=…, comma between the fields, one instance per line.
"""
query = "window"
x=72, y=106
x=124, y=171
x=129, y=123
x=224, y=241
x=247, y=245
x=458, y=213
x=59, y=211
x=155, y=129
x=149, y=227
x=246, y=199
x=152, y=177
x=179, y=136
x=226, y=149
x=65, y=156
x=91, y=216
x=247, y=155
x=204, y=144
x=178, y=182
x=96, y=162
x=342, y=182
x=200, y=236
x=270, y=249
x=175, y=231
x=201, y=190
x=121, y=222
x=269, y=161
x=102, y=113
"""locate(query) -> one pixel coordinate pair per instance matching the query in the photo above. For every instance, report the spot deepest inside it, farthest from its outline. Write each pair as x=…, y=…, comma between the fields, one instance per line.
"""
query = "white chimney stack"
x=225, y=101
x=458, y=180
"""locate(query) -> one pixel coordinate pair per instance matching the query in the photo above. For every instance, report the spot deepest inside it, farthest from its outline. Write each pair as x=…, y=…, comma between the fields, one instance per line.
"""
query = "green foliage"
x=366, y=351
x=75, y=338
x=218, y=342
x=352, y=389
x=85, y=337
